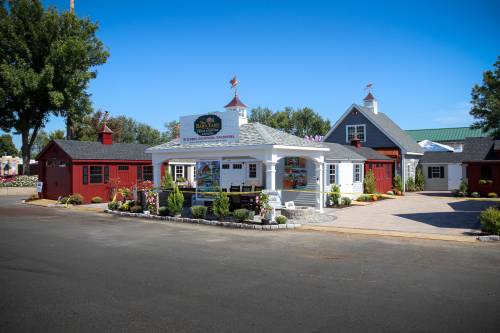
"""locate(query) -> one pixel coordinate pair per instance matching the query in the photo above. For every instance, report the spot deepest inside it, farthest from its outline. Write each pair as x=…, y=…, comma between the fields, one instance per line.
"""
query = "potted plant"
x=265, y=208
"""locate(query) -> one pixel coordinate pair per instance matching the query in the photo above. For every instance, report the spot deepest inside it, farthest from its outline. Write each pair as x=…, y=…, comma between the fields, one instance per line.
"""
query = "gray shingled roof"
x=479, y=149
x=93, y=150
x=396, y=133
x=250, y=134
x=441, y=157
x=368, y=153
x=341, y=152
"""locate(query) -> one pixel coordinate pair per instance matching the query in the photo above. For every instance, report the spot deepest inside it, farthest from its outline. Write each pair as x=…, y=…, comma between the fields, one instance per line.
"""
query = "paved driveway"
x=425, y=212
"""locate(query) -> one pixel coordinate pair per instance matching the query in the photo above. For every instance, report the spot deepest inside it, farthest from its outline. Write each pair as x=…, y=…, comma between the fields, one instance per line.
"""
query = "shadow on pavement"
x=460, y=219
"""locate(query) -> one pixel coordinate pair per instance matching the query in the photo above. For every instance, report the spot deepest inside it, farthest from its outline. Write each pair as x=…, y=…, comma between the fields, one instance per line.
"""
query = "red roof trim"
x=235, y=102
x=369, y=97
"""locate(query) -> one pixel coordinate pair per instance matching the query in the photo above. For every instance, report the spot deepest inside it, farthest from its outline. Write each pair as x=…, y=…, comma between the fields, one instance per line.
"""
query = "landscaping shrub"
x=475, y=195
x=96, y=200
x=125, y=207
x=221, y=205
x=463, y=188
x=136, y=209
x=490, y=220
x=281, y=219
x=241, y=214
x=369, y=184
x=485, y=182
x=113, y=205
x=390, y=193
x=334, y=195
x=167, y=182
x=62, y=200
x=410, y=185
x=163, y=211
x=175, y=201
x=419, y=180
x=492, y=195
x=364, y=197
x=397, y=182
x=75, y=199
x=346, y=201
x=199, y=212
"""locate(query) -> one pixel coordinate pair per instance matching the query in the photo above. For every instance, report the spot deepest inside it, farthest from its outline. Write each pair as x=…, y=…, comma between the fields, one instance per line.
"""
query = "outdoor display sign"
x=207, y=178
x=207, y=128
x=295, y=175
x=274, y=198
x=39, y=187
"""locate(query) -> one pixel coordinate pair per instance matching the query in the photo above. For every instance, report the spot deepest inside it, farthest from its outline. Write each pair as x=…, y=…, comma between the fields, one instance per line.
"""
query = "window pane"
x=123, y=167
x=95, y=174
x=139, y=173
x=179, y=171
x=351, y=133
x=252, y=171
x=237, y=166
x=225, y=166
x=85, y=175
x=333, y=173
x=360, y=132
x=148, y=172
x=106, y=174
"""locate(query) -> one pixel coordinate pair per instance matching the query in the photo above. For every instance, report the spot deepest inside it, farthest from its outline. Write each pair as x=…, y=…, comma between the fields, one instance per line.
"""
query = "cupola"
x=370, y=102
x=105, y=133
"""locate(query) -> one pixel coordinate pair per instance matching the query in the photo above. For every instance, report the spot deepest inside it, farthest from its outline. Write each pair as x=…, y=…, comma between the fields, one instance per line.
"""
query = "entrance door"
x=123, y=174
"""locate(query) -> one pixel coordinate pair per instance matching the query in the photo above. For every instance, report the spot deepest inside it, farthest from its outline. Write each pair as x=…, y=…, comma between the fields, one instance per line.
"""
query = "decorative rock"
x=489, y=238
x=274, y=227
x=281, y=226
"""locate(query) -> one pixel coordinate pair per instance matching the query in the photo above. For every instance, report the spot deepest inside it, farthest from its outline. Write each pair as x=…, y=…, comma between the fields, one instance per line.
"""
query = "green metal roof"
x=445, y=134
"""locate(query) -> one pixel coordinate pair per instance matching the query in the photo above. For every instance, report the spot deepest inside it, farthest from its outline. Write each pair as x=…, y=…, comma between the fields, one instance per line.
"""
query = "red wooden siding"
x=383, y=171
x=474, y=174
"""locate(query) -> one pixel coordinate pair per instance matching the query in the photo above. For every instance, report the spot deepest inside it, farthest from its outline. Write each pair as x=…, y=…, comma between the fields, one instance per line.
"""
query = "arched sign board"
x=207, y=128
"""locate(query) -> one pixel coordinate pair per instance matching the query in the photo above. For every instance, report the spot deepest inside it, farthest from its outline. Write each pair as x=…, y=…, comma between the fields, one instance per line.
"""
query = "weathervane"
x=369, y=87
x=234, y=83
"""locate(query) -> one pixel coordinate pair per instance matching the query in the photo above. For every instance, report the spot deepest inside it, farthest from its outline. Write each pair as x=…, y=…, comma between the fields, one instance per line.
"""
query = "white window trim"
x=355, y=131
x=360, y=173
x=175, y=171
x=256, y=171
x=328, y=173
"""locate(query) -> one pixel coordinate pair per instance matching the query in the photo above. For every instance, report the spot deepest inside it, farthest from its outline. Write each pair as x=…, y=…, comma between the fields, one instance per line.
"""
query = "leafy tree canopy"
x=7, y=146
x=43, y=138
x=299, y=122
x=172, y=131
x=486, y=101
x=46, y=62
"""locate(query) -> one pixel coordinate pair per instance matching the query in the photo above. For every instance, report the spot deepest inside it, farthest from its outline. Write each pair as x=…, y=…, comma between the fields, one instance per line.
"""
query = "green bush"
x=221, y=205
x=419, y=180
x=370, y=183
x=136, y=209
x=96, y=200
x=75, y=199
x=490, y=220
x=474, y=195
x=281, y=219
x=241, y=214
x=175, y=201
x=390, y=192
x=163, y=211
x=125, y=207
x=113, y=205
x=167, y=182
x=364, y=197
x=410, y=185
x=492, y=195
x=463, y=187
x=346, y=201
x=334, y=195
x=63, y=200
x=199, y=212
x=398, y=183
x=485, y=182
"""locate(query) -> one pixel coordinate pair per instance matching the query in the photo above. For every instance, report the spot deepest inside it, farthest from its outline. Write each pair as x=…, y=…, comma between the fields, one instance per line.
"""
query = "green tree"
x=7, y=146
x=172, y=131
x=261, y=115
x=370, y=183
x=486, y=102
x=46, y=62
x=43, y=138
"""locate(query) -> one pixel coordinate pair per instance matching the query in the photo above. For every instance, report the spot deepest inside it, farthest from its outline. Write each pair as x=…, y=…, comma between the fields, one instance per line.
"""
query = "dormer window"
x=355, y=132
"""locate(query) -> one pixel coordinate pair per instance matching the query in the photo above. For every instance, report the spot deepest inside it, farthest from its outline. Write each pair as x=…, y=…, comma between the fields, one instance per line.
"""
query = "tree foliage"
x=46, y=62
x=7, y=146
x=486, y=101
x=172, y=131
x=299, y=122
x=43, y=138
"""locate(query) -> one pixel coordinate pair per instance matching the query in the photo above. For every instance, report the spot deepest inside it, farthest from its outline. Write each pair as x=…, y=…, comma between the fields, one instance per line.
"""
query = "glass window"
x=486, y=172
x=106, y=174
x=123, y=167
x=95, y=174
x=148, y=172
x=139, y=173
x=225, y=166
x=179, y=171
x=356, y=131
x=237, y=166
x=252, y=170
x=332, y=173
x=357, y=172
x=435, y=172
x=85, y=175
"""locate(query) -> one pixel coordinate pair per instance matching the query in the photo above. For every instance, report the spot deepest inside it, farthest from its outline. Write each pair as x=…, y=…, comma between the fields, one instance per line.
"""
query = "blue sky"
x=173, y=58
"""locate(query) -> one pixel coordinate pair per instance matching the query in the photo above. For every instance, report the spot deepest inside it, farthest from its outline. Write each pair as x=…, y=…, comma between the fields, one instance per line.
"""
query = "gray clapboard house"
x=376, y=130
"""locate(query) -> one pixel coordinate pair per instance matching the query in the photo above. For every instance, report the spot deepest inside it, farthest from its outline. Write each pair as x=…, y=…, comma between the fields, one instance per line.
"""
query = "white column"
x=320, y=175
x=270, y=175
x=157, y=174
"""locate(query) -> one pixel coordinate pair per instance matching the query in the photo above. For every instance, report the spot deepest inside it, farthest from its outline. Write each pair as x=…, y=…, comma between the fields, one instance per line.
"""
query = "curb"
x=372, y=232
x=233, y=225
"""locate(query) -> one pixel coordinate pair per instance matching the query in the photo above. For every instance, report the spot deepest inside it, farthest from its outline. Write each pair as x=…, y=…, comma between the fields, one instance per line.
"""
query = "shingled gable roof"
x=251, y=134
x=387, y=126
x=368, y=153
x=479, y=149
x=341, y=152
x=94, y=150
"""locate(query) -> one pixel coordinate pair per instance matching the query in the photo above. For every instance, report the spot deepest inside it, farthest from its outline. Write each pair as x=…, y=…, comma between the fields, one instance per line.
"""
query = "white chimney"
x=371, y=103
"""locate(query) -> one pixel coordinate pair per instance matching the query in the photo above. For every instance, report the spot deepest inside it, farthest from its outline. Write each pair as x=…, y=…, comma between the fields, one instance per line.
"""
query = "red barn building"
x=68, y=166
x=481, y=156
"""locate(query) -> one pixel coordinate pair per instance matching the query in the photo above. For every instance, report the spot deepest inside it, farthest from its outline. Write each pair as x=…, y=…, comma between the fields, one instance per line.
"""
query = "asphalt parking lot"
x=67, y=271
